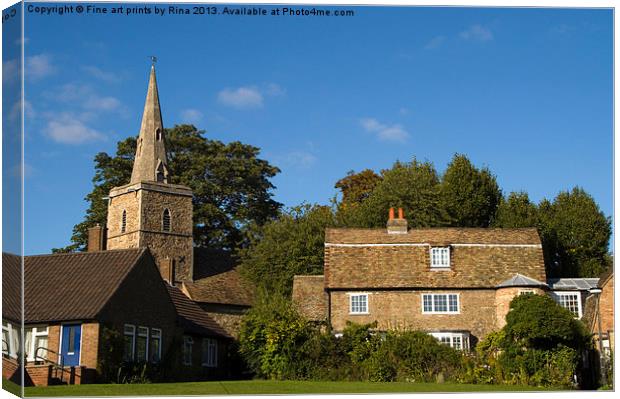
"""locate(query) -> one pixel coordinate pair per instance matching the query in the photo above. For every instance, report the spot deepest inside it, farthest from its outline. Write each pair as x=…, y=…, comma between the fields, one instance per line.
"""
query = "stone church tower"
x=149, y=211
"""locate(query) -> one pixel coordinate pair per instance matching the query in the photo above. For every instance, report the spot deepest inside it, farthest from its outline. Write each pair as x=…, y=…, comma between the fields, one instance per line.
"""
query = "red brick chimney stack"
x=397, y=226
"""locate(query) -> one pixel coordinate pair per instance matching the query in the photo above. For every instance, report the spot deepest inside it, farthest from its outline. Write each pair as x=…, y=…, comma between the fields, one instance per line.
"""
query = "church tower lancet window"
x=166, y=220
x=124, y=221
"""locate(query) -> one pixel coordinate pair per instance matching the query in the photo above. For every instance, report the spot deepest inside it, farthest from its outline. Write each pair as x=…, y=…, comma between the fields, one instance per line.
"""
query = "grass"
x=11, y=387
x=257, y=387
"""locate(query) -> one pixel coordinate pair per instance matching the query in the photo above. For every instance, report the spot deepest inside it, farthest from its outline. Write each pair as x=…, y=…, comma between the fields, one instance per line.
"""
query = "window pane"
x=141, y=349
x=453, y=302
x=428, y=305
x=128, y=348
x=440, y=303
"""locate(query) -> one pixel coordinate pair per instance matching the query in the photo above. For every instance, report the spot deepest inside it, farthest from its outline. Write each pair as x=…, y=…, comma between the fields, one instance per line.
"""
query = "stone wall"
x=144, y=204
x=309, y=297
x=402, y=309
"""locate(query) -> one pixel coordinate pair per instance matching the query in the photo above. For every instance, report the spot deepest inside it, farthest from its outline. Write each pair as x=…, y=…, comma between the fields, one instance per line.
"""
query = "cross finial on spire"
x=153, y=59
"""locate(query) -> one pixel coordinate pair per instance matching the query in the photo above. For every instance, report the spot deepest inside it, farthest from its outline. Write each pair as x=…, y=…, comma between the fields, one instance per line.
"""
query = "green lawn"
x=11, y=387
x=262, y=387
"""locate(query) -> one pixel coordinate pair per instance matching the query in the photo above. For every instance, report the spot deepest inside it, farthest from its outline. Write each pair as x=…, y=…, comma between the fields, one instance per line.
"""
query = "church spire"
x=150, y=163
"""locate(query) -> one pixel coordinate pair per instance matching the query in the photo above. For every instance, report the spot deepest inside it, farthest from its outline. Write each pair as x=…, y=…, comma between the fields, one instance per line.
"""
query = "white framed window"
x=570, y=300
x=10, y=339
x=440, y=303
x=155, y=345
x=358, y=303
x=188, y=343
x=129, y=335
x=142, y=344
x=455, y=340
x=440, y=257
x=35, y=343
x=209, y=352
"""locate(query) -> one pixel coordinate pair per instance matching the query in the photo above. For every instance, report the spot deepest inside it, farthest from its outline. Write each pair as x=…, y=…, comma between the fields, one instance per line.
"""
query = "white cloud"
x=67, y=128
x=477, y=32
x=39, y=66
x=383, y=132
x=191, y=115
x=242, y=97
x=100, y=74
x=435, y=42
x=16, y=110
x=102, y=103
x=10, y=71
x=301, y=159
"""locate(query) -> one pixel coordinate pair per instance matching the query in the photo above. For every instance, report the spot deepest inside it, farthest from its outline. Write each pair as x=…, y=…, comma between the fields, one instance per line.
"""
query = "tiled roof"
x=478, y=258
x=191, y=317
x=519, y=280
x=11, y=287
x=435, y=236
x=581, y=284
x=216, y=280
x=74, y=286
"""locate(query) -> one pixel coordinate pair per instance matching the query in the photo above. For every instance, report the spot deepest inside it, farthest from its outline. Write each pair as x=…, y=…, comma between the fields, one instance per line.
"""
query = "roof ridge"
x=58, y=254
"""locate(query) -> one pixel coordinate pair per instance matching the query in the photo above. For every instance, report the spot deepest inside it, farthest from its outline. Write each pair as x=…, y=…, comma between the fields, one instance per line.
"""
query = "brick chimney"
x=96, y=238
x=397, y=225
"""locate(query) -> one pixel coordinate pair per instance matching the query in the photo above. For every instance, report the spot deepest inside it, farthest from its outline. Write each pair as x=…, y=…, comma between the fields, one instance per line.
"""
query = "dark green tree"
x=516, y=211
x=231, y=186
x=575, y=235
x=292, y=244
x=413, y=186
x=469, y=196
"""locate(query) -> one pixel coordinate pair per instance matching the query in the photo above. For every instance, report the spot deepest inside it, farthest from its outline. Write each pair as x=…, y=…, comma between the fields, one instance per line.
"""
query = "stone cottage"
x=454, y=283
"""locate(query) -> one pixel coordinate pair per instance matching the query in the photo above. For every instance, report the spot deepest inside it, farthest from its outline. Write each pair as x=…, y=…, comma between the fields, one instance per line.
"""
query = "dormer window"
x=440, y=257
x=124, y=221
x=166, y=220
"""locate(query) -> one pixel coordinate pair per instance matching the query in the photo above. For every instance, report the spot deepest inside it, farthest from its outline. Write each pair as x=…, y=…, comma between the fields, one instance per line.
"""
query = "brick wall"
x=37, y=375
x=403, y=310
x=10, y=370
x=90, y=345
x=142, y=300
x=503, y=297
x=607, y=306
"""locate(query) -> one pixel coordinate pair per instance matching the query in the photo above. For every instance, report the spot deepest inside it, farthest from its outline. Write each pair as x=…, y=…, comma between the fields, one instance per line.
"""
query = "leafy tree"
x=575, y=235
x=413, y=186
x=271, y=334
x=289, y=245
x=356, y=187
x=469, y=196
x=516, y=211
x=230, y=183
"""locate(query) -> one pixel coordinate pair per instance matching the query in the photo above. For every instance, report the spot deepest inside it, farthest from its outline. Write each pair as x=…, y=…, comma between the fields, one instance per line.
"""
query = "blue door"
x=70, y=353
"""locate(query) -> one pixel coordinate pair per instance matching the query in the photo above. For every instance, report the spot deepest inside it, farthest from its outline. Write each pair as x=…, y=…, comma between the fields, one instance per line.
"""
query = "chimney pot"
x=397, y=226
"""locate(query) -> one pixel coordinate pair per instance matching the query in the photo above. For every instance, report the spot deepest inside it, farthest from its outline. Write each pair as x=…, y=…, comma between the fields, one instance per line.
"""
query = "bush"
x=271, y=336
x=540, y=345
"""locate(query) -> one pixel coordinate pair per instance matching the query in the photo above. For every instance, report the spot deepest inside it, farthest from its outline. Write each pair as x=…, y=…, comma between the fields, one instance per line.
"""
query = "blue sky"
x=526, y=92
